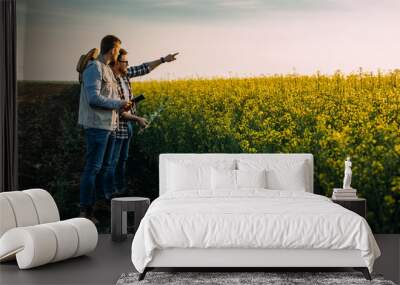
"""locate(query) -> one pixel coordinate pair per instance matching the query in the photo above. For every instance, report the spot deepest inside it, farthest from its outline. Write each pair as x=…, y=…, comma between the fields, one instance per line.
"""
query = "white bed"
x=248, y=227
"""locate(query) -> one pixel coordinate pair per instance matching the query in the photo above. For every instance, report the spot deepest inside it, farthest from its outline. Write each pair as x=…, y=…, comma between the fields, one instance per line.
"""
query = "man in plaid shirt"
x=117, y=152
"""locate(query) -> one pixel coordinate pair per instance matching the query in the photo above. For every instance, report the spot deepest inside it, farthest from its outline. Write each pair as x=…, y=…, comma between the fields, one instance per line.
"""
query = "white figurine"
x=347, y=174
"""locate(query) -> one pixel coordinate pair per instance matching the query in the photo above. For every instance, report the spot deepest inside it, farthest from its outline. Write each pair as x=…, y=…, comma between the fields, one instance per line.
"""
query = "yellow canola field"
x=329, y=116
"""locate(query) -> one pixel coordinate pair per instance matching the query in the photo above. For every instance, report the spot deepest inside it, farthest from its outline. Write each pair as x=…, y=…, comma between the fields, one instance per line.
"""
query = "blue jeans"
x=105, y=179
x=121, y=152
x=96, y=144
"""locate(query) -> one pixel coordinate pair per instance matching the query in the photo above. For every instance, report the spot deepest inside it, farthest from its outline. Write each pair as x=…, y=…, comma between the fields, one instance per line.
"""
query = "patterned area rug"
x=244, y=278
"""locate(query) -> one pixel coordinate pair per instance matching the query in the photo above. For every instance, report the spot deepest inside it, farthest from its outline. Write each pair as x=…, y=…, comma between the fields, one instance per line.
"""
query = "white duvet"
x=250, y=219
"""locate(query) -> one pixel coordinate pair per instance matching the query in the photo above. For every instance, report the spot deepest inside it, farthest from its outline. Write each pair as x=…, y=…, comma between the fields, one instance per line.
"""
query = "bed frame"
x=246, y=258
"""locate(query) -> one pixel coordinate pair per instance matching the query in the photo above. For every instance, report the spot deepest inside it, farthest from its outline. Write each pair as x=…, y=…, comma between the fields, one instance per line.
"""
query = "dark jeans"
x=105, y=179
x=121, y=152
x=96, y=144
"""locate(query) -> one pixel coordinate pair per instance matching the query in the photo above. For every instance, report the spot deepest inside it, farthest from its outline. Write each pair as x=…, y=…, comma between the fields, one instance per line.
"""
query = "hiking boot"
x=102, y=205
x=87, y=213
x=94, y=220
x=84, y=213
x=91, y=216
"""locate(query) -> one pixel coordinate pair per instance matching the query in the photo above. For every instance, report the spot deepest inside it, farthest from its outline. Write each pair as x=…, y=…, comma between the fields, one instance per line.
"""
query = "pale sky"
x=215, y=38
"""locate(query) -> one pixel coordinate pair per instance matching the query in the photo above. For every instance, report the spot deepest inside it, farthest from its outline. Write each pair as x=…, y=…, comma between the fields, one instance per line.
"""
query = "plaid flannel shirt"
x=133, y=71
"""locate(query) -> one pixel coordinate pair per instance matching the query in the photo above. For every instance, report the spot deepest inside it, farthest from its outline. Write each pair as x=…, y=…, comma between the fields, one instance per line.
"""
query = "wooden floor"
x=110, y=260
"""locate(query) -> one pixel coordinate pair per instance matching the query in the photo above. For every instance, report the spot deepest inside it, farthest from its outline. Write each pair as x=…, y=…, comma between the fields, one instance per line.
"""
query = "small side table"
x=357, y=205
x=119, y=209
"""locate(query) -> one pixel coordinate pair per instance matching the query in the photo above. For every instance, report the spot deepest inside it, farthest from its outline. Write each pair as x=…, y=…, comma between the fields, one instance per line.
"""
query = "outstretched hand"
x=171, y=57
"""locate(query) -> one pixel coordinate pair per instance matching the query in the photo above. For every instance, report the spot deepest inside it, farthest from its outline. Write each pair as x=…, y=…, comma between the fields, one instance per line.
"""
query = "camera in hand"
x=138, y=98
x=135, y=100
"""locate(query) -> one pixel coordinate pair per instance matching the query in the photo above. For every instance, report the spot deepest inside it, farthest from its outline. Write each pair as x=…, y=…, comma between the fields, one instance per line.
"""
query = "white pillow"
x=180, y=171
x=251, y=178
x=223, y=179
x=293, y=178
x=227, y=179
x=281, y=174
x=188, y=177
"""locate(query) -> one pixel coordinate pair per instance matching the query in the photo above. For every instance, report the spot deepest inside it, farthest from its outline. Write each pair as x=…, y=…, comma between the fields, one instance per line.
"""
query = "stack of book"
x=341, y=194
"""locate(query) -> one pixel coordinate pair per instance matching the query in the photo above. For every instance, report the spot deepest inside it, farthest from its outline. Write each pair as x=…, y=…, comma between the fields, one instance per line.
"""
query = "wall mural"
x=216, y=76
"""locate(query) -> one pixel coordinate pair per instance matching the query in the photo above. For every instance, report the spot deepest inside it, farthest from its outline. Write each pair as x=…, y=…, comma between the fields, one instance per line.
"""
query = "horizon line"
x=360, y=71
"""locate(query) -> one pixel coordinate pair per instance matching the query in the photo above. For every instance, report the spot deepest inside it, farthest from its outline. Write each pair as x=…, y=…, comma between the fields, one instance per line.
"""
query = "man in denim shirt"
x=98, y=113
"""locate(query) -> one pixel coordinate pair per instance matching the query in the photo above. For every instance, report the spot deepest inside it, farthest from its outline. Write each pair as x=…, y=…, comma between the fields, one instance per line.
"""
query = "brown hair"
x=108, y=43
x=121, y=53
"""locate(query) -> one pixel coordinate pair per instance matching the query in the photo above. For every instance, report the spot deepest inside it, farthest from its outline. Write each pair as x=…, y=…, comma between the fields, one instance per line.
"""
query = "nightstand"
x=357, y=205
x=119, y=209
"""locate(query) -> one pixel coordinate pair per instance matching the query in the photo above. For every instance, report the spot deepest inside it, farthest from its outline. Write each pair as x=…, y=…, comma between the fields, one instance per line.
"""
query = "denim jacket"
x=99, y=99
